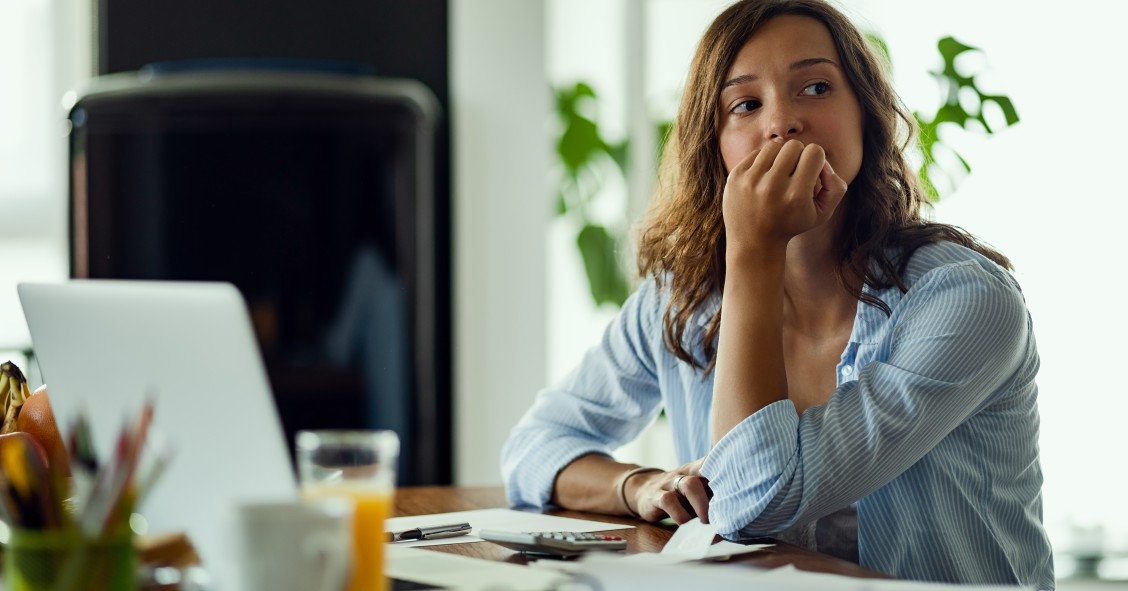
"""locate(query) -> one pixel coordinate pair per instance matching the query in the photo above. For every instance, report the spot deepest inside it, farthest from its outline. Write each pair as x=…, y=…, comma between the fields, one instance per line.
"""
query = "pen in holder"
x=69, y=520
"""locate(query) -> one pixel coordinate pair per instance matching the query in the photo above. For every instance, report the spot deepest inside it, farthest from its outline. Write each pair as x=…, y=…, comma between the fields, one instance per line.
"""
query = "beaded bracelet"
x=623, y=486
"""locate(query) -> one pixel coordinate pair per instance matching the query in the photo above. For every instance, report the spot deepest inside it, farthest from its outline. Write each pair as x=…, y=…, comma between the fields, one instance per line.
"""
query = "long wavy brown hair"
x=683, y=237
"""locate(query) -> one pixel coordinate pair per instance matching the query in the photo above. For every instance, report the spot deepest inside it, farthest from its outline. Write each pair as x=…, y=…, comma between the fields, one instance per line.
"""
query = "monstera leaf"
x=605, y=275
x=582, y=153
x=952, y=111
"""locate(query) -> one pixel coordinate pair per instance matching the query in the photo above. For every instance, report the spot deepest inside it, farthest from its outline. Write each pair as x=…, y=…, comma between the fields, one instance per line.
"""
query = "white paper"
x=465, y=573
x=626, y=575
x=631, y=572
x=692, y=540
x=724, y=548
x=507, y=520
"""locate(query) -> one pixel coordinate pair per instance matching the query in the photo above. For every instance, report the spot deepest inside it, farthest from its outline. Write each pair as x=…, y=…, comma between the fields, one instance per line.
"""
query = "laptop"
x=104, y=347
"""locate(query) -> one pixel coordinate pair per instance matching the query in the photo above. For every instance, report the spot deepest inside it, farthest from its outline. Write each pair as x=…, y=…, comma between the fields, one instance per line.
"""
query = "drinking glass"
x=359, y=466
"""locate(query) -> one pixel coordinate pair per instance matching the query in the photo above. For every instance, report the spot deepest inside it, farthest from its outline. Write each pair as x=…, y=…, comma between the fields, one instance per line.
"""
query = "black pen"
x=430, y=533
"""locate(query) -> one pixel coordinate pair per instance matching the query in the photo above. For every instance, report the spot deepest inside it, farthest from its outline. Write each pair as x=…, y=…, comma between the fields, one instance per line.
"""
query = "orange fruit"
x=22, y=441
x=37, y=420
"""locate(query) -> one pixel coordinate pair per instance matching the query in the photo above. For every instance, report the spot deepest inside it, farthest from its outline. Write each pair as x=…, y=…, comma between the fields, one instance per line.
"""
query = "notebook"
x=106, y=346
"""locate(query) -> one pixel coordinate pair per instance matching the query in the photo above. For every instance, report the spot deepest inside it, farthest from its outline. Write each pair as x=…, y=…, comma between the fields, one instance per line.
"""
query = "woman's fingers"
x=766, y=159
x=671, y=502
x=776, y=193
x=775, y=158
x=696, y=493
x=694, y=488
x=680, y=495
x=833, y=187
x=807, y=171
x=692, y=468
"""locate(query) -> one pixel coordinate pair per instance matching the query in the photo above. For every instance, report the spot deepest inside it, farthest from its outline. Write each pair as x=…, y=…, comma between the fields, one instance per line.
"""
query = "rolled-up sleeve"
x=957, y=341
x=605, y=402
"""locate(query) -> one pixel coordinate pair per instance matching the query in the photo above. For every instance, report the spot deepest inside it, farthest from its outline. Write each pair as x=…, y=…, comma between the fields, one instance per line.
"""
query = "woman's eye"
x=746, y=106
x=816, y=89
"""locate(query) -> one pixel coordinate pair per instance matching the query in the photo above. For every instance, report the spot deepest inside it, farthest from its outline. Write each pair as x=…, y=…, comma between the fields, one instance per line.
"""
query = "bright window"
x=27, y=106
x=45, y=52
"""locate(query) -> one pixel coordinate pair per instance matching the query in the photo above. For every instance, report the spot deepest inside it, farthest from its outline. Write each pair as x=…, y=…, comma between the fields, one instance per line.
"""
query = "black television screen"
x=310, y=194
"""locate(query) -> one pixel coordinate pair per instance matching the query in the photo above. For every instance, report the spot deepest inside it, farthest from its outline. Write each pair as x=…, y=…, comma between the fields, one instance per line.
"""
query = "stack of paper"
x=673, y=569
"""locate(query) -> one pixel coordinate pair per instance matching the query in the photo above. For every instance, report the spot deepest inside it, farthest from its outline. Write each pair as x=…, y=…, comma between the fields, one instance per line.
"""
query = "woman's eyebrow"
x=811, y=61
x=799, y=65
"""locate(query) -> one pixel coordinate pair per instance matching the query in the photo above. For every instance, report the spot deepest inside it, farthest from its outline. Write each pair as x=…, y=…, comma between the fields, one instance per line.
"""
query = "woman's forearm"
x=591, y=483
x=750, y=371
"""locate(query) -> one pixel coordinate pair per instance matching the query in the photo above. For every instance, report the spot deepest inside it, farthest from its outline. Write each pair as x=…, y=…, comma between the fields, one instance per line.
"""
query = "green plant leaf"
x=952, y=82
x=926, y=141
x=882, y=49
x=567, y=99
x=581, y=149
x=926, y=137
x=664, y=129
x=605, y=275
x=963, y=161
x=950, y=49
x=951, y=114
x=619, y=153
x=926, y=183
x=577, y=144
x=581, y=144
x=1005, y=104
x=584, y=89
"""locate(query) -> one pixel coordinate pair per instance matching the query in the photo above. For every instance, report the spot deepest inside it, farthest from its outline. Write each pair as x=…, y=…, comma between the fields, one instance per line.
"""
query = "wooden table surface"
x=644, y=537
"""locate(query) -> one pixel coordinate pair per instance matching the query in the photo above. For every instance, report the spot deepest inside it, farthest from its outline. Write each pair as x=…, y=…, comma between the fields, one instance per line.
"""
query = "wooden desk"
x=644, y=537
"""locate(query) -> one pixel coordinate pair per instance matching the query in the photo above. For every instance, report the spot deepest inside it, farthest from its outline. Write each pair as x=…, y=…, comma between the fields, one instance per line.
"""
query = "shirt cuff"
x=750, y=465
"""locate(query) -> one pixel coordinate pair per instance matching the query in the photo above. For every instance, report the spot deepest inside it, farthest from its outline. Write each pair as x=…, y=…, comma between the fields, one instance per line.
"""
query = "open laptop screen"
x=104, y=347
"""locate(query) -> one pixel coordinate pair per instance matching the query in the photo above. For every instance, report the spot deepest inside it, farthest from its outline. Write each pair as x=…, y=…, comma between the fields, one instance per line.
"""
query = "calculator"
x=554, y=543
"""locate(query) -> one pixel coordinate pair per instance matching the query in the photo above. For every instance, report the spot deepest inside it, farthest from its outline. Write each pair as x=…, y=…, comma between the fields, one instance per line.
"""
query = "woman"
x=869, y=389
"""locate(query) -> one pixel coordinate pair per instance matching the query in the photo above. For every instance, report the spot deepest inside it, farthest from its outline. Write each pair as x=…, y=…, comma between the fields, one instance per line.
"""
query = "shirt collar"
x=869, y=320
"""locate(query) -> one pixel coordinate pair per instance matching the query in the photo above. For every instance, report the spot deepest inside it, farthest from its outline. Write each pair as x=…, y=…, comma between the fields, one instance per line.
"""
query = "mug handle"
x=334, y=556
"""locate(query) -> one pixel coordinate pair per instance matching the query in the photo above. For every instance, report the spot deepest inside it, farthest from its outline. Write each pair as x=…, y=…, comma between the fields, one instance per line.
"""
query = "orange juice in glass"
x=359, y=466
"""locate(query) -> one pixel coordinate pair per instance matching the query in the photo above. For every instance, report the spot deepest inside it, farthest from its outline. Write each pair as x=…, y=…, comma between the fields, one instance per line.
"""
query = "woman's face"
x=787, y=82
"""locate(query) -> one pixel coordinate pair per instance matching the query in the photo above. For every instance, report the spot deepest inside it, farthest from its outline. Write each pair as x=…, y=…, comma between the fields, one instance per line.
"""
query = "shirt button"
x=849, y=369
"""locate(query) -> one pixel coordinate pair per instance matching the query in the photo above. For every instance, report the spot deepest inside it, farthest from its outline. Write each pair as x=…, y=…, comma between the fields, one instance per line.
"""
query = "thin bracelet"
x=623, y=486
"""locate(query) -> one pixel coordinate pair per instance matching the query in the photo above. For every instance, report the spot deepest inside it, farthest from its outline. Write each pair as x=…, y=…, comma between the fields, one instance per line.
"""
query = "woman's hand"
x=680, y=494
x=777, y=193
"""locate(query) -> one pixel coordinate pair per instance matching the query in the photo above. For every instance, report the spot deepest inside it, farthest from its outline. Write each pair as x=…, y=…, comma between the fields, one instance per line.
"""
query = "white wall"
x=500, y=103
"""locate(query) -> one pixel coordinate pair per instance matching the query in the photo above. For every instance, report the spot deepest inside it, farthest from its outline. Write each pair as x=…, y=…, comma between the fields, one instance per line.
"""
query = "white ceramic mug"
x=295, y=546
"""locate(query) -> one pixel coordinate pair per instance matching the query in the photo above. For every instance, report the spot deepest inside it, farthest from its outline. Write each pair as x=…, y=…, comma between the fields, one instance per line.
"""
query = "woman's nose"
x=783, y=124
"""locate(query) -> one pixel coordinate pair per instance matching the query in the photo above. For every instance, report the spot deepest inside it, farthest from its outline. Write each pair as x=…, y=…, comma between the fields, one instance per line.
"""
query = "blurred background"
x=514, y=302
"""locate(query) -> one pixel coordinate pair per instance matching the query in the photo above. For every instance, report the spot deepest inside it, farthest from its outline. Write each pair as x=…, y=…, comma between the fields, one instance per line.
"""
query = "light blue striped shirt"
x=932, y=432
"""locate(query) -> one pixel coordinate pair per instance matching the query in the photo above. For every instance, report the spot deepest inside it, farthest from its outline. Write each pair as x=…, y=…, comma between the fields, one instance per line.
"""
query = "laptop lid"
x=105, y=346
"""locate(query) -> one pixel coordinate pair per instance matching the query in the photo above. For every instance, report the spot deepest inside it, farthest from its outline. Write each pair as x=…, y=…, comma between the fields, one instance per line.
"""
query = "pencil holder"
x=37, y=560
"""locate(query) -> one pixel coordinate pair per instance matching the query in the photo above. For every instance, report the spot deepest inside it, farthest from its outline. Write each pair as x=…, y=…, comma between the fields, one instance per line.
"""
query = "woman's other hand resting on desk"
x=648, y=493
x=680, y=494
